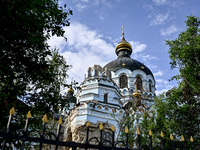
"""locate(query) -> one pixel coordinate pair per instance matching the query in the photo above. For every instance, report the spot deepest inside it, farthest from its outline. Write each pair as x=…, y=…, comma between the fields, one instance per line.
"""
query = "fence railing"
x=50, y=138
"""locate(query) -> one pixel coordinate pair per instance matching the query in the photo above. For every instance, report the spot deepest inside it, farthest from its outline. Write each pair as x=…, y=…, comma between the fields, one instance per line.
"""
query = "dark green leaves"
x=26, y=72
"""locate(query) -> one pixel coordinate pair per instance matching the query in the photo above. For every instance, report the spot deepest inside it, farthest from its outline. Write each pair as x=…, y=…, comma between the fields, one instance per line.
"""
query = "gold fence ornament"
x=191, y=139
x=182, y=138
x=12, y=111
x=44, y=119
x=60, y=120
x=171, y=137
x=162, y=134
x=138, y=131
x=150, y=133
x=88, y=124
x=28, y=115
x=113, y=128
x=101, y=126
x=126, y=130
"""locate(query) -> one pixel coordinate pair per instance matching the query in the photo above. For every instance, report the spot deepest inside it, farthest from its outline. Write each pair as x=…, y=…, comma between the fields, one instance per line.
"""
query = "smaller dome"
x=136, y=94
x=123, y=46
x=70, y=90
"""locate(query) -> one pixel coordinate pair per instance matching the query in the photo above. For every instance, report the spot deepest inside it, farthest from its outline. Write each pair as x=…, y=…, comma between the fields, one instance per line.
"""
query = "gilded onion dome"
x=123, y=48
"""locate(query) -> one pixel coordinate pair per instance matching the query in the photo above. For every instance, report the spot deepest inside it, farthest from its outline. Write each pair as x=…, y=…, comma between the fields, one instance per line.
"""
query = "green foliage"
x=185, y=101
x=178, y=112
x=185, y=53
x=31, y=75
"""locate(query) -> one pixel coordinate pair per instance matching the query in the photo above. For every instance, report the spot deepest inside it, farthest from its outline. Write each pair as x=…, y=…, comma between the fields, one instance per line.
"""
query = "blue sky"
x=96, y=29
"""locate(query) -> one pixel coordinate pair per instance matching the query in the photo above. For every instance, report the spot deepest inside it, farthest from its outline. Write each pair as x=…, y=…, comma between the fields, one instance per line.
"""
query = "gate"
x=106, y=141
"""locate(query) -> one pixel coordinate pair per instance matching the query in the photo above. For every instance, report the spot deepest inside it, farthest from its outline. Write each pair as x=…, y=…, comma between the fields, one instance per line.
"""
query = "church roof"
x=126, y=62
x=123, y=51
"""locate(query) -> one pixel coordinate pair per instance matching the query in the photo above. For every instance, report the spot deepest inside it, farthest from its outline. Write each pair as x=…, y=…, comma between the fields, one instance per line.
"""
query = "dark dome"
x=127, y=62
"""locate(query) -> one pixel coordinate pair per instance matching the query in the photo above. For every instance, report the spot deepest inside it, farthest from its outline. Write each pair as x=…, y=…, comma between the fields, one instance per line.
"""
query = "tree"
x=178, y=112
x=185, y=55
x=28, y=77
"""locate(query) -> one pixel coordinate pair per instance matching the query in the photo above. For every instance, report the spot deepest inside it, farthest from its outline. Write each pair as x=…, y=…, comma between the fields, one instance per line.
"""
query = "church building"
x=106, y=93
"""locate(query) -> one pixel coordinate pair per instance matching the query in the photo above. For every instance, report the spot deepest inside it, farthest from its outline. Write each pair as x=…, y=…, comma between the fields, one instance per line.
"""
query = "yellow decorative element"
x=161, y=134
x=71, y=90
x=124, y=43
x=60, y=120
x=123, y=64
x=136, y=93
x=88, y=124
x=44, y=119
x=12, y=111
x=142, y=67
x=98, y=107
x=126, y=130
x=182, y=138
x=191, y=139
x=113, y=128
x=171, y=137
x=28, y=114
x=106, y=109
x=150, y=133
x=101, y=126
x=121, y=112
x=138, y=131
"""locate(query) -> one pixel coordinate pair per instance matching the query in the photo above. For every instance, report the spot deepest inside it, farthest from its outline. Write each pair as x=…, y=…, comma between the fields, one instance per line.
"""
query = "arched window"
x=105, y=98
x=123, y=81
x=150, y=86
x=139, y=83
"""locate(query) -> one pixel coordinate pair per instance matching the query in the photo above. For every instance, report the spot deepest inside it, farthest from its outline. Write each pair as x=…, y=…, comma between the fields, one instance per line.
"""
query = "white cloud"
x=145, y=58
x=163, y=85
x=160, y=19
x=137, y=46
x=162, y=81
x=170, y=30
x=83, y=49
x=160, y=2
x=159, y=73
x=161, y=91
x=80, y=7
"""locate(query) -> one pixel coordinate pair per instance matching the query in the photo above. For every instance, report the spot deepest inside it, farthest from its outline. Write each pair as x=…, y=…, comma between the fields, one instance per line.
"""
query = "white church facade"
x=107, y=91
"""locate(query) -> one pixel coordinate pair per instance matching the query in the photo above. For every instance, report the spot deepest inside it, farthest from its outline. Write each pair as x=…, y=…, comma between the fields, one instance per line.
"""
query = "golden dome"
x=123, y=44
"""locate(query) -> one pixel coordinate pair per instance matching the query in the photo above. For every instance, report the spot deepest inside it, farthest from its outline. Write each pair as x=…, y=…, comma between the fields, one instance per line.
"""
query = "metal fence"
x=7, y=138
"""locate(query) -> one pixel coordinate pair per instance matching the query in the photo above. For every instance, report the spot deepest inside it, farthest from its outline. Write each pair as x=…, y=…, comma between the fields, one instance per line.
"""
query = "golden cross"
x=123, y=29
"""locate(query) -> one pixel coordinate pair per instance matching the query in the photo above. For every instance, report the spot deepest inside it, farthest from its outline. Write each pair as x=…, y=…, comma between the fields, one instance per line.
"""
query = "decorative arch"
x=139, y=83
x=123, y=81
